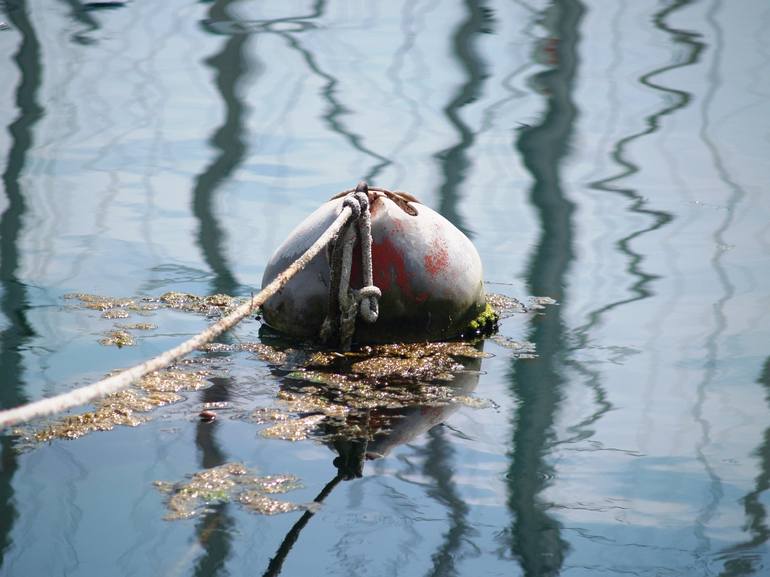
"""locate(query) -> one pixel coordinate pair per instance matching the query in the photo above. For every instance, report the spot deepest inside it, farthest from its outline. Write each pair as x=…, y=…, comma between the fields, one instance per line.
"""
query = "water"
x=611, y=155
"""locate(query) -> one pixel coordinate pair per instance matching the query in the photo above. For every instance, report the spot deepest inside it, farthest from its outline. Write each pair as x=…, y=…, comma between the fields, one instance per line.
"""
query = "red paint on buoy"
x=429, y=273
x=389, y=267
x=438, y=257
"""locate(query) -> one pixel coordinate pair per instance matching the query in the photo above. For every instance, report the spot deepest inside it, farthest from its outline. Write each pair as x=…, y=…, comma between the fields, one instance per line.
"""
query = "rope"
x=352, y=302
x=88, y=393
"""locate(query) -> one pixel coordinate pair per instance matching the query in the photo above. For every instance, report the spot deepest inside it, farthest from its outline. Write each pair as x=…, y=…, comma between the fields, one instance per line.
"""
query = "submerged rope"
x=88, y=393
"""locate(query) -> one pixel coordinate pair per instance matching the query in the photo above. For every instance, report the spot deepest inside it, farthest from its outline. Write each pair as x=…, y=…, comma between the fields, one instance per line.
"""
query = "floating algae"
x=297, y=429
x=137, y=326
x=118, y=338
x=326, y=392
x=409, y=362
x=115, y=314
x=114, y=307
x=209, y=305
x=227, y=483
x=326, y=397
x=261, y=351
x=505, y=306
x=127, y=407
x=121, y=308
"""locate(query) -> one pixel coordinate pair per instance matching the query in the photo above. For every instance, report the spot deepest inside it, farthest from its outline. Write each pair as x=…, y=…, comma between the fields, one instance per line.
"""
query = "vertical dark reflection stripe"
x=675, y=100
x=79, y=14
x=749, y=557
x=331, y=84
x=438, y=467
x=276, y=562
x=215, y=529
x=336, y=108
x=14, y=301
x=736, y=194
x=229, y=65
x=454, y=160
x=535, y=537
x=411, y=25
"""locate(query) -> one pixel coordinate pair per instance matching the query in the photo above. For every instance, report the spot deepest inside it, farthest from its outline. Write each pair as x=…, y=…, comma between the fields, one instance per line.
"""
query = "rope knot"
x=350, y=302
x=369, y=306
x=355, y=206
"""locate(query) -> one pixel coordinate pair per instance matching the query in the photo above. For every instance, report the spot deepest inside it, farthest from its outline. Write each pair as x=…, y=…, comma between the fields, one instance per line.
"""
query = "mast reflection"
x=535, y=537
x=14, y=302
x=454, y=161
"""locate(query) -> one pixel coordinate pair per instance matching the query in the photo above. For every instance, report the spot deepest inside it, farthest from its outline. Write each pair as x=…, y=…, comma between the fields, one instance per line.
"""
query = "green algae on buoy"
x=428, y=272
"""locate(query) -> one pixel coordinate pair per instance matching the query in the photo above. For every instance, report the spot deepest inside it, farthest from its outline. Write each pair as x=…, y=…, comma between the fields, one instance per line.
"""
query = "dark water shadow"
x=455, y=161
x=14, y=302
x=534, y=537
x=749, y=557
x=80, y=14
x=276, y=562
x=438, y=467
x=215, y=530
x=229, y=65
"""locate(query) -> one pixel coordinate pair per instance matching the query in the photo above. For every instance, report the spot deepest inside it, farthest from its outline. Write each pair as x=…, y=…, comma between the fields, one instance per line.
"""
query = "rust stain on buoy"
x=428, y=271
x=437, y=259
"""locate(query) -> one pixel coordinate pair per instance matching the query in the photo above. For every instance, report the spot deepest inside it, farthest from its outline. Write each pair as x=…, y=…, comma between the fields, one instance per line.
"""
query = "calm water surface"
x=610, y=154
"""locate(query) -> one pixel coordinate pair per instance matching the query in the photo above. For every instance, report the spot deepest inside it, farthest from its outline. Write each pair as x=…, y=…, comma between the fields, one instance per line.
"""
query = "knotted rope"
x=351, y=302
x=359, y=209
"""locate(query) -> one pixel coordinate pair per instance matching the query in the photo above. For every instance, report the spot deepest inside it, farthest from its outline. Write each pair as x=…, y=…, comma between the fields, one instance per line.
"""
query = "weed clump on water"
x=333, y=389
x=121, y=308
x=209, y=305
x=117, y=337
x=128, y=407
x=231, y=482
x=114, y=307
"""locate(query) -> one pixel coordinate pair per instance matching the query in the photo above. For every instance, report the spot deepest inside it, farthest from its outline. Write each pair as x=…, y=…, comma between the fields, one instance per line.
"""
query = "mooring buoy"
x=428, y=273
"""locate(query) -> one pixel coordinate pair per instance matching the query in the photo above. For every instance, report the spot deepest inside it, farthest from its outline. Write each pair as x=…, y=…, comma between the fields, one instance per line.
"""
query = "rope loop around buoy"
x=363, y=302
x=357, y=210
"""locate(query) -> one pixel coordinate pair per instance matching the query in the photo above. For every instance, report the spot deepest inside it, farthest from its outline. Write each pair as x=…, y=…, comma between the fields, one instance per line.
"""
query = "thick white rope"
x=363, y=301
x=88, y=393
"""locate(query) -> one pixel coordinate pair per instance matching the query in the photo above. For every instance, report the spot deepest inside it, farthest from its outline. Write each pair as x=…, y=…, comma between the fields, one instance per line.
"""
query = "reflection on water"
x=454, y=160
x=609, y=154
x=438, y=467
x=14, y=302
x=677, y=100
x=745, y=558
x=229, y=65
x=535, y=536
